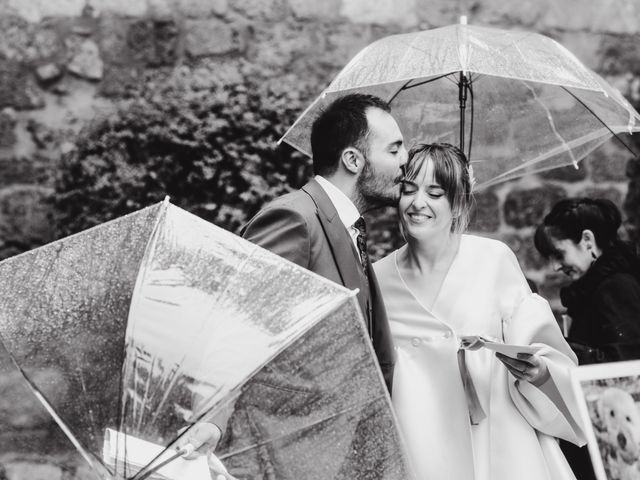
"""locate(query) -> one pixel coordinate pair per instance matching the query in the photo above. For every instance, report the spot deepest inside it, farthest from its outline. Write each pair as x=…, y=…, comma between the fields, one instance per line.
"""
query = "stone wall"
x=65, y=62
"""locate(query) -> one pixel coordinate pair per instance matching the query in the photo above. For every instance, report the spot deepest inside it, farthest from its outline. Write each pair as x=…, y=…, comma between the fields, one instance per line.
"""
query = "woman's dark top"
x=604, y=305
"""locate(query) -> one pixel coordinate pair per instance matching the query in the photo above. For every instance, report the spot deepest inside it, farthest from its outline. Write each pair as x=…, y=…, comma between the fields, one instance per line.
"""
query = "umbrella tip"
x=463, y=19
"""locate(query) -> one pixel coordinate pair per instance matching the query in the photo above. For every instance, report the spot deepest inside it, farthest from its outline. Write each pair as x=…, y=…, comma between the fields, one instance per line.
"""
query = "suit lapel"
x=340, y=242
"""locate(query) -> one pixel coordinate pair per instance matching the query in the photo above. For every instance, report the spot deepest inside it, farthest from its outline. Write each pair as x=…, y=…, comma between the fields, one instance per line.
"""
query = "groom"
x=358, y=154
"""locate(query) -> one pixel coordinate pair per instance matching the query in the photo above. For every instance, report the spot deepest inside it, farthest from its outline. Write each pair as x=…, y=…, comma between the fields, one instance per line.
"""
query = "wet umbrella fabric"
x=160, y=319
x=521, y=101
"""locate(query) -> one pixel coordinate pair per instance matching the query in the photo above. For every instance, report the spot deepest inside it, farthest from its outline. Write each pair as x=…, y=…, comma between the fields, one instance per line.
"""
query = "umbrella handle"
x=463, y=86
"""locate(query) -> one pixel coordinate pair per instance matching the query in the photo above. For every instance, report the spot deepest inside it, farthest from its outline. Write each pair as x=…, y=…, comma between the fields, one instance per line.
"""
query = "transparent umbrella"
x=159, y=320
x=518, y=102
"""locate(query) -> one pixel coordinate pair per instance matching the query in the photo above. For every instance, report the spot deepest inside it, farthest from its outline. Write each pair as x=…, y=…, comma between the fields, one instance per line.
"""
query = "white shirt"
x=347, y=211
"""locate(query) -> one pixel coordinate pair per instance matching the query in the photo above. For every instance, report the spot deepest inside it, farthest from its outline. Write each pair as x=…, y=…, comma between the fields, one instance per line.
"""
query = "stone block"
x=438, y=13
x=619, y=55
x=17, y=88
x=585, y=45
x=527, y=207
x=610, y=193
x=522, y=245
x=47, y=44
x=113, y=35
x=271, y=10
x=160, y=9
x=153, y=42
x=342, y=43
x=569, y=174
x=634, y=90
x=27, y=43
x=208, y=37
x=501, y=14
x=622, y=82
x=15, y=37
x=25, y=170
x=382, y=12
x=85, y=59
x=19, y=408
x=551, y=285
x=278, y=47
x=43, y=136
x=125, y=8
x=608, y=163
x=202, y=8
x=310, y=10
x=486, y=213
x=36, y=10
x=119, y=82
x=48, y=73
x=602, y=16
x=167, y=35
x=7, y=128
x=34, y=471
x=26, y=216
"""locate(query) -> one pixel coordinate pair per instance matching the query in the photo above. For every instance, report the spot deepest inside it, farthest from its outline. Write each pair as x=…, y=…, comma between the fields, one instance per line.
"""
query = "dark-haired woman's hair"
x=570, y=217
x=451, y=171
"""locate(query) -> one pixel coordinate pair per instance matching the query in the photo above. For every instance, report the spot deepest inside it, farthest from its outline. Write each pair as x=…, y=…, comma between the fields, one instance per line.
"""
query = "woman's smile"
x=419, y=217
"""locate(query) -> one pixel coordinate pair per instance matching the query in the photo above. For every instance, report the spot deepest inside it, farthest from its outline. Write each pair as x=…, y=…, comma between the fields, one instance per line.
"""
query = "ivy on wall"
x=210, y=147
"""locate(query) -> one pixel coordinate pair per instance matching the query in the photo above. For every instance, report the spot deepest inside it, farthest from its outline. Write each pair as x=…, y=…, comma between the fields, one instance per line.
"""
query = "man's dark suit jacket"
x=304, y=227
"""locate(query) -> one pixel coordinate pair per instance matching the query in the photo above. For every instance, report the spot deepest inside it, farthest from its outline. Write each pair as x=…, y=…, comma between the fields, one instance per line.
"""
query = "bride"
x=470, y=414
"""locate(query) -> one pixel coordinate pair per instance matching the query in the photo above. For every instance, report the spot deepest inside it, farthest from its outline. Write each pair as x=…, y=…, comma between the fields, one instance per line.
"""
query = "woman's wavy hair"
x=451, y=171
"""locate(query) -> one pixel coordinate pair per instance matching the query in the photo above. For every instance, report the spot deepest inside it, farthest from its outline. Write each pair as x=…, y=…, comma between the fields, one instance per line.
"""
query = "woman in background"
x=580, y=238
x=470, y=414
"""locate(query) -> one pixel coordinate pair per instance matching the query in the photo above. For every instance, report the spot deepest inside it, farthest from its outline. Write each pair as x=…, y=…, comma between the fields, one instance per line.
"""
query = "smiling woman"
x=470, y=414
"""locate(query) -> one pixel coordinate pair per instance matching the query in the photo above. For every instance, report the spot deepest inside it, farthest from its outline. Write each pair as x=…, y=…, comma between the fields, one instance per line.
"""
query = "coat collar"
x=617, y=259
x=339, y=240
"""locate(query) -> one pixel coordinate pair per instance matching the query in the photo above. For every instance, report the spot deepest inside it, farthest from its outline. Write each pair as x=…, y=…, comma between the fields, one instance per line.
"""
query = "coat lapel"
x=339, y=240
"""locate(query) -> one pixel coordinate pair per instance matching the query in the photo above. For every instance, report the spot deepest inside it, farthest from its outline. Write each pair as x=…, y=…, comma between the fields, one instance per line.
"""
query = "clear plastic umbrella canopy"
x=159, y=319
x=519, y=101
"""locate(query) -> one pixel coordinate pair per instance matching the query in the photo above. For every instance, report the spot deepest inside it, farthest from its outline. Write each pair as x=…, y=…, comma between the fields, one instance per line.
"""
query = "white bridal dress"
x=484, y=293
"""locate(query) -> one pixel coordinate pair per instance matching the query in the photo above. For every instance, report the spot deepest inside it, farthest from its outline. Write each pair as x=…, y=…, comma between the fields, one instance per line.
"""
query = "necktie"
x=361, y=241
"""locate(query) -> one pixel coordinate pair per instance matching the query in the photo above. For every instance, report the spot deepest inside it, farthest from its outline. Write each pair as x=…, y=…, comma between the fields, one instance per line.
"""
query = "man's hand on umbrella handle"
x=201, y=439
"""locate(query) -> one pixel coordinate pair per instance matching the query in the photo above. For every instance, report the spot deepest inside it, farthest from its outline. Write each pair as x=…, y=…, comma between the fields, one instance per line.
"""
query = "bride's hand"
x=529, y=367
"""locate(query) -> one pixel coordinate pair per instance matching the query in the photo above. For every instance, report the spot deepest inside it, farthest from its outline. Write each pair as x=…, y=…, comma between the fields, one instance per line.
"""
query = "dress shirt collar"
x=347, y=211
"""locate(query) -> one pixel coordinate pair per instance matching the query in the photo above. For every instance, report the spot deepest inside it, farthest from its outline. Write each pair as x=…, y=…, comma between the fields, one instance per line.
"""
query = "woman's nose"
x=420, y=199
x=556, y=265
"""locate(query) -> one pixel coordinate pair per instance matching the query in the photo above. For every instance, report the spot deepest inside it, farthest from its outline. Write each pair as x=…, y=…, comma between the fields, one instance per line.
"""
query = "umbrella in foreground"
x=518, y=102
x=158, y=320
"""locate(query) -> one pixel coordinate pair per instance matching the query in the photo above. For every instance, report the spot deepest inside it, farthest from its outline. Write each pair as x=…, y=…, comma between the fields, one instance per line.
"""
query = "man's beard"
x=376, y=191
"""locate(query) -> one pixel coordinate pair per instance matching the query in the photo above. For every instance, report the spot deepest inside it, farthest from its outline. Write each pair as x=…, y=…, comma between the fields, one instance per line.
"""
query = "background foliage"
x=210, y=146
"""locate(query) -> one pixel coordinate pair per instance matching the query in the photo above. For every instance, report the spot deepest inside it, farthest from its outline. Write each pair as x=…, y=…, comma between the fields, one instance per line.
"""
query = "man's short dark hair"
x=341, y=125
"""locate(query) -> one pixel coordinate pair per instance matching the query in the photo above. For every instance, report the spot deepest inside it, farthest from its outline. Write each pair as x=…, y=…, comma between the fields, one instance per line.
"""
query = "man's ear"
x=352, y=159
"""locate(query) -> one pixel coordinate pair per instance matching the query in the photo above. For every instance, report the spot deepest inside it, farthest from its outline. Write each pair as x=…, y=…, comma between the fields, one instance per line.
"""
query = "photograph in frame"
x=610, y=408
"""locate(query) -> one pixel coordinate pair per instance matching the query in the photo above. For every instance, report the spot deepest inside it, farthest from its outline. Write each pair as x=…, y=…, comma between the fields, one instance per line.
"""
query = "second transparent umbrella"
x=517, y=102
x=159, y=320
